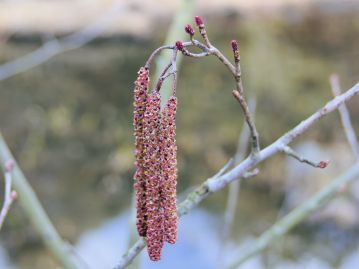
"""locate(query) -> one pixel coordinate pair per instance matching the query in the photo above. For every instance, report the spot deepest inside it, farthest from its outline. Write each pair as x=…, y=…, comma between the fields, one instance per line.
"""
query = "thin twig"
x=215, y=184
x=195, y=55
x=9, y=195
x=155, y=53
x=249, y=119
x=297, y=215
x=162, y=77
x=36, y=213
x=290, y=152
x=174, y=71
x=345, y=117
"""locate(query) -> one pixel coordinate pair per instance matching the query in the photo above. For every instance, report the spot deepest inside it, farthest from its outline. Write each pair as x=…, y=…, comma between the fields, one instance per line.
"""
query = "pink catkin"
x=153, y=175
x=140, y=101
x=169, y=169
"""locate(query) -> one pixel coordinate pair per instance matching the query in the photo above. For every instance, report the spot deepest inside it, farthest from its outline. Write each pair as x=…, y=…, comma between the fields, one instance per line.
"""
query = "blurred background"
x=66, y=113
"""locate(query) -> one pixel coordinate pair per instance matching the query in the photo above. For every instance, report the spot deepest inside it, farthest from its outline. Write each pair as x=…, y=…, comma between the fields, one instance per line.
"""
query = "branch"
x=290, y=152
x=9, y=196
x=345, y=117
x=297, y=215
x=35, y=212
x=216, y=183
x=55, y=46
x=209, y=49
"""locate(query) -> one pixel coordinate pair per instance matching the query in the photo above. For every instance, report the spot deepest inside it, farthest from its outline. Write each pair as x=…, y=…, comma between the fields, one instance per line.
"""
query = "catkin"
x=140, y=101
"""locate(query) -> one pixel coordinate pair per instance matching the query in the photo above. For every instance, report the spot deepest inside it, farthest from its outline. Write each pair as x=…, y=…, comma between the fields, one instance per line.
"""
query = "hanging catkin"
x=140, y=101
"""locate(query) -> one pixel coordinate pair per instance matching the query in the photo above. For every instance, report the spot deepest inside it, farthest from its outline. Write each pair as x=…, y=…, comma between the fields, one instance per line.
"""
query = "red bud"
x=323, y=164
x=189, y=30
x=198, y=20
x=179, y=45
x=234, y=44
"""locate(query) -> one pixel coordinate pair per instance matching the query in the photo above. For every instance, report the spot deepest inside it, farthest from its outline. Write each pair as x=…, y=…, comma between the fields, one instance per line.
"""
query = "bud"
x=198, y=21
x=234, y=44
x=13, y=195
x=323, y=164
x=189, y=29
x=179, y=45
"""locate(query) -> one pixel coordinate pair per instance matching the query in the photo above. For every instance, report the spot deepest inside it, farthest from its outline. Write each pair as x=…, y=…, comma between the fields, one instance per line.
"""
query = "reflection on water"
x=4, y=260
x=196, y=247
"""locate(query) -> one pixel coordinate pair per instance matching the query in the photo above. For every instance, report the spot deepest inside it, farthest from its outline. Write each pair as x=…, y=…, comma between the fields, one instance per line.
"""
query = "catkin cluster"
x=156, y=166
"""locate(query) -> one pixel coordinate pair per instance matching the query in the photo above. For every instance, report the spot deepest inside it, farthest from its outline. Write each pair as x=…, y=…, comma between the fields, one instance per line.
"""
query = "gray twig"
x=345, y=117
x=290, y=152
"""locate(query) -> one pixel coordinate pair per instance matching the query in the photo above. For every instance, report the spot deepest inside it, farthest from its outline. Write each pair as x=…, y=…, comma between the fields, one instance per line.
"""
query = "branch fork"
x=9, y=194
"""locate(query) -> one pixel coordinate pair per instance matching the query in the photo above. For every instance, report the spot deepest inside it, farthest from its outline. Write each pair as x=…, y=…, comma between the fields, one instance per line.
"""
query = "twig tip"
x=13, y=195
x=323, y=164
x=189, y=30
x=234, y=44
x=198, y=20
x=9, y=165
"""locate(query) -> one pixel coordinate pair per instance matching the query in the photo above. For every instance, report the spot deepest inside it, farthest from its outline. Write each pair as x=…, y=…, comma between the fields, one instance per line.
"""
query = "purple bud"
x=234, y=44
x=179, y=45
x=189, y=30
x=198, y=20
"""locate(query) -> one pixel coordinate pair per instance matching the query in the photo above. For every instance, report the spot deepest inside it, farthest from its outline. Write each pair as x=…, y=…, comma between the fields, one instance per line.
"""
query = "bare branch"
x=174, y=71
x=254, y=134
x=163, y=76
x=9, y=195
x=290, y=152
x=215, y=184
x=345, y=117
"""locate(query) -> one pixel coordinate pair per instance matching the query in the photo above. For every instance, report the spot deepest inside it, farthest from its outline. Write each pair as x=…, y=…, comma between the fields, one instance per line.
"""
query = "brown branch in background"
x=9, y=194
x=290, y=152
x=345, y=117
